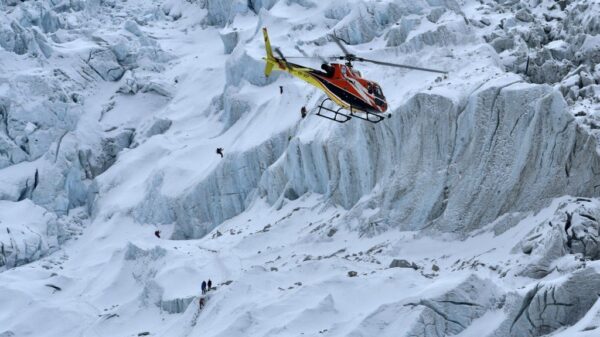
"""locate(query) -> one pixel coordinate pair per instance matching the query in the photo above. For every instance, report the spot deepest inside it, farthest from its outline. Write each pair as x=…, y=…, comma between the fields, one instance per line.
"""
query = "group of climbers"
x=206, y=286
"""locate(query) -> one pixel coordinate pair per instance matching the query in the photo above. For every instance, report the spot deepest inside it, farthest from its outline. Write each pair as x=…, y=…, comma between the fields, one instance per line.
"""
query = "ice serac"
x=28, y=233
x=446, y=165
x=452, y=312
x=364, y=21
x=177, y=305
x=548, y=307
x=224, y=193
x=222, y=12
x=573, y=229
x=443, y=315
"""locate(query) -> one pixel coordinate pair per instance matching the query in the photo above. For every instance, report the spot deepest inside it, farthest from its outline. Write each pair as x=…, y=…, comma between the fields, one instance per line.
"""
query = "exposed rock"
x=401, y=263
x=352, y=273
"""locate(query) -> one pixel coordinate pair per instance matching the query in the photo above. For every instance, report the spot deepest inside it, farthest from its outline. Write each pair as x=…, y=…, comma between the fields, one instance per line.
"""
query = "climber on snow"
x=157, y=233
x=203, y=287
x=220, y=151
x=303, y=111
x=209, y=284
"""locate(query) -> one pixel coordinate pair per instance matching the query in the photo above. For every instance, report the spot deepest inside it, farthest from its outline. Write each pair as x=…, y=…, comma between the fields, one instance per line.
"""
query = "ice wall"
x=435, y=163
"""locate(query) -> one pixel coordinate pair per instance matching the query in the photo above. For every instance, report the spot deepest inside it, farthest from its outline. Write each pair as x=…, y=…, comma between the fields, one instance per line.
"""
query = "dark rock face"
x=401, y=263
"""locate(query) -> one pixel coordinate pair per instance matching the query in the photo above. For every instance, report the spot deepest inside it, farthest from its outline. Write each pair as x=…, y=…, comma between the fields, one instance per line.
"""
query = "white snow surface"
x=473, y=210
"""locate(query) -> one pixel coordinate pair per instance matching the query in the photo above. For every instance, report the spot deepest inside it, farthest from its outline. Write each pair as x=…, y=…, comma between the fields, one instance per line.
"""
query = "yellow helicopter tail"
x=270, y=58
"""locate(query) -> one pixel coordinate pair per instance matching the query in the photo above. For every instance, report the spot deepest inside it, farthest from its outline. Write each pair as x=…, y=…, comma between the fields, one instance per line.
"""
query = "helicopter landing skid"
x=336, y=113
x=368, y=116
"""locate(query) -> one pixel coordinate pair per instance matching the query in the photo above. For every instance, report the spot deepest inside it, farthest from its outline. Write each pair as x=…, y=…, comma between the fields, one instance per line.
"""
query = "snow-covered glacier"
x=473, y=209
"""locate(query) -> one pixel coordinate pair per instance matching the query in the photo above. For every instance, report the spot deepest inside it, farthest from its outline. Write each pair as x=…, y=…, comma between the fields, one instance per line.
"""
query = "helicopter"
x=342, y=84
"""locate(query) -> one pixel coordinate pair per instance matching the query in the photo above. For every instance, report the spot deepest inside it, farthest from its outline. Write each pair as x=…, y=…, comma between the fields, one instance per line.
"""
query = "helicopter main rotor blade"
x=401, y=65
x=339, y=43
x=302, y=57
x=301, y=50
x=307, y=56
x=280, y=54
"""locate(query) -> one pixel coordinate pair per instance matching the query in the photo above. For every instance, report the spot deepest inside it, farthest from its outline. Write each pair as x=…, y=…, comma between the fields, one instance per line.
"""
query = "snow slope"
x=472, y=211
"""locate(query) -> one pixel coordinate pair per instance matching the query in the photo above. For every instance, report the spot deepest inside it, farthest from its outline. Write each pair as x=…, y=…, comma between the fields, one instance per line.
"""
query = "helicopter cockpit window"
x=370, y=88
x=377, y=91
